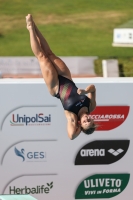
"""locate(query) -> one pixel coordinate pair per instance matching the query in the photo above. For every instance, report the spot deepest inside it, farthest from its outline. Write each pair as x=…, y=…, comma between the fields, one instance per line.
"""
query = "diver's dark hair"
x=89, y=130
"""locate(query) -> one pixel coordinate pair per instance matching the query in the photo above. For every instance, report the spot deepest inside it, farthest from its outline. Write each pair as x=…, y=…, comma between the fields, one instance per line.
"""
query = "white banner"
x=38, y=159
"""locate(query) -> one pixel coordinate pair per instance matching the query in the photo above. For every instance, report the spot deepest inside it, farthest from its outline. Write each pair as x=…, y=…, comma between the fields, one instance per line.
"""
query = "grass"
x=72, y=28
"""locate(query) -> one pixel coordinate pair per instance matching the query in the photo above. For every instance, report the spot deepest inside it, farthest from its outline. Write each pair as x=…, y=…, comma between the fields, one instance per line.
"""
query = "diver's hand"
x=81, y=91
x=89, y=89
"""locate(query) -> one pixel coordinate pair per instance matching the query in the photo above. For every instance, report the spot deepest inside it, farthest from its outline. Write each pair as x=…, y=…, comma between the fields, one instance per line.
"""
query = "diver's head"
x=87, y=124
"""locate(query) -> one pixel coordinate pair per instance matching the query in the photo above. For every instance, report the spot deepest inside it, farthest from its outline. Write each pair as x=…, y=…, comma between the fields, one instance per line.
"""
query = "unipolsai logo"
x=30, y=156
x=102, y=186
x=109, y=117
x=36, y=120
x=39, y=189
x=102, y=152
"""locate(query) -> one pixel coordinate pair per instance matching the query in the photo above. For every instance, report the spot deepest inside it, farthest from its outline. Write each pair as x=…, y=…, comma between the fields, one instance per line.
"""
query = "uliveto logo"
x=102, y=186
x=109, y=117
x=102, y=152
x=35, y=190
x=38, y=119
x=30, y=156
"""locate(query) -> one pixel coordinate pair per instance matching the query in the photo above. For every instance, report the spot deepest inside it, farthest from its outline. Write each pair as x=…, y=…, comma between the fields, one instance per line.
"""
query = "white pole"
x=0, y=74
x=104, y=68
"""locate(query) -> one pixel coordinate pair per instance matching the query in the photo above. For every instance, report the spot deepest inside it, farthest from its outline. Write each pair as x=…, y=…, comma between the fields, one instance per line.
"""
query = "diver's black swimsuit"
x=69, y=97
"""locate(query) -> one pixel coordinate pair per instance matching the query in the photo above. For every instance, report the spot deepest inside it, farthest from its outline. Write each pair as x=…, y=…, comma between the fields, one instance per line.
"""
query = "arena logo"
x=38, y=119
x=109, y=117
x=102, y=152
x=35, y=190
x=102, y=186
x=30, y=156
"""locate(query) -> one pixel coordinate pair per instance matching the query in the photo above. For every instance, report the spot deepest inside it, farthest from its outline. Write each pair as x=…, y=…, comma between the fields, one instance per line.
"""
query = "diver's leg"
x=59, y=65
x=48, y=70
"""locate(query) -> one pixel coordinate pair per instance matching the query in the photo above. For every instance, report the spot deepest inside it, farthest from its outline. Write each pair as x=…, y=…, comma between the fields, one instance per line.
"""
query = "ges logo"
x=31, y=155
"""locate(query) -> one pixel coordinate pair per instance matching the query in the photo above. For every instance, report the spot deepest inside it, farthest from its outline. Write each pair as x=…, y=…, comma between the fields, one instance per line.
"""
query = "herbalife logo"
x=35, y=190
x=115, y=153
x=30, y=156
x=102, y=152
x=102, y=186
x=38, y=119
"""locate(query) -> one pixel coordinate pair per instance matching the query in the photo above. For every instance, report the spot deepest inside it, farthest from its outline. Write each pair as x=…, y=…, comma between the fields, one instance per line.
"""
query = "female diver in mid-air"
x=77, y=105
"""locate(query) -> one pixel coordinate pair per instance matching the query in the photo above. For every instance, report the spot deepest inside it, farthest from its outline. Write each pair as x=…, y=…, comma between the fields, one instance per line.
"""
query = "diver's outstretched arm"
x=92, y=97
x=73, y=128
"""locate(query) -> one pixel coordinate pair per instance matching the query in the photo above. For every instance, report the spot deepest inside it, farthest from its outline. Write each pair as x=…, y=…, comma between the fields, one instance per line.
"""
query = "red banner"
x=109, y=117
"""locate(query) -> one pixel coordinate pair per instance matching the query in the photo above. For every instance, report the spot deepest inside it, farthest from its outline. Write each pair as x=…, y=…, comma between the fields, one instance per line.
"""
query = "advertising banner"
x=38, y=159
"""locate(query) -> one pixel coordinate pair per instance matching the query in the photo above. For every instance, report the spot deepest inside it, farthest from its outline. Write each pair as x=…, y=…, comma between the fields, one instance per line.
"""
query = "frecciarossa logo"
x=109, y=117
